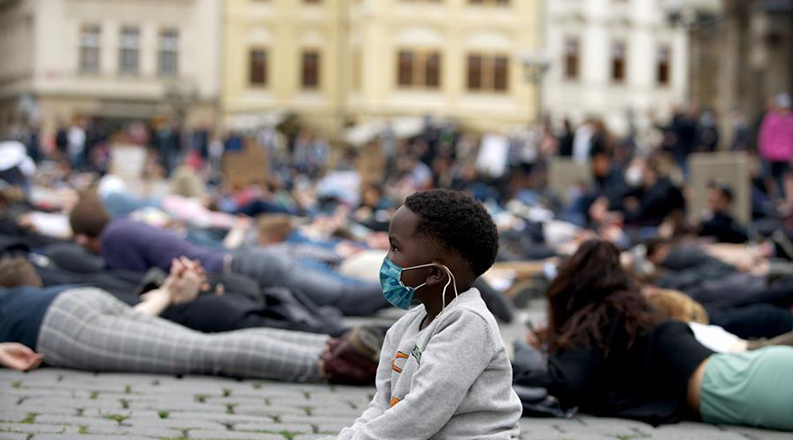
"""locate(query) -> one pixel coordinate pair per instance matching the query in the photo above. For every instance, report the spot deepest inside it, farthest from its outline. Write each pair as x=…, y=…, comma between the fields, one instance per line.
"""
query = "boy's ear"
x=437, y=275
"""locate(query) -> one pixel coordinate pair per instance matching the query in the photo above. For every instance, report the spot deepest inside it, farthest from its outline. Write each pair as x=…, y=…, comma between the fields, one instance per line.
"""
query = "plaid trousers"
x=89, y=329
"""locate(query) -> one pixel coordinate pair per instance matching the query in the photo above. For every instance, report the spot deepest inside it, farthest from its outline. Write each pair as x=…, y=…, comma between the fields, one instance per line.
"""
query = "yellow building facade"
x=339, y=62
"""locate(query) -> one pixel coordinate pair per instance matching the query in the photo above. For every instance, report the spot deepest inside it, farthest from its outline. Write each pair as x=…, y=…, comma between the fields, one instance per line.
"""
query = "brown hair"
x=89, y=217
x=17, y=271
x=277, y=226
x=589, y=290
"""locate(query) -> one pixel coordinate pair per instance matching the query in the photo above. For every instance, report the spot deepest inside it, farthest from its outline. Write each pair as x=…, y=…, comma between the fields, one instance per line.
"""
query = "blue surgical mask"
x=394, y=290
x=400, y=295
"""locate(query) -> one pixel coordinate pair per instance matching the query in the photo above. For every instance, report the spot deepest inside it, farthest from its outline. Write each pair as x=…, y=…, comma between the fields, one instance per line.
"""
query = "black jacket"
x=724, y=228
x=647, y=382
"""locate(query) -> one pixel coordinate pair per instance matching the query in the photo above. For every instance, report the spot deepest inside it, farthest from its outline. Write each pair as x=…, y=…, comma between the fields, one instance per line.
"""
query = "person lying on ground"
x=614, y=355
x=748, y=322
x=232, y=301
x=88, y=329
x=678, y=306
x=126, y=244
x=444, y=372
x=713, y=282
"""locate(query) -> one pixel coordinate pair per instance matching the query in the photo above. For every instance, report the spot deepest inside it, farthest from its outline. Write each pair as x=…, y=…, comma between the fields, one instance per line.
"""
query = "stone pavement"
x=57, y=404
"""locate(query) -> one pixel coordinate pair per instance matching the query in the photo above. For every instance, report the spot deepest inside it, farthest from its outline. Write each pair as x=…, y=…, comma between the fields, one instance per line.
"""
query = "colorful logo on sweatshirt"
x=417, y=354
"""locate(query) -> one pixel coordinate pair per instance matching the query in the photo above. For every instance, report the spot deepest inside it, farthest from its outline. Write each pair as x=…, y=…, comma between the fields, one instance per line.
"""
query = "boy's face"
x=407, y=249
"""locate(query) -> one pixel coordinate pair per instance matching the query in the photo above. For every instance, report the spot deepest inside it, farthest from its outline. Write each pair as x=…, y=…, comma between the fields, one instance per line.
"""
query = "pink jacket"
x=776, y=136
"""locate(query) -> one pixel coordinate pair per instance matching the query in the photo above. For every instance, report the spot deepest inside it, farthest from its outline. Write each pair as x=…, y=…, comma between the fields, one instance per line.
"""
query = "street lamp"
x=180, y=96
x=535, y=65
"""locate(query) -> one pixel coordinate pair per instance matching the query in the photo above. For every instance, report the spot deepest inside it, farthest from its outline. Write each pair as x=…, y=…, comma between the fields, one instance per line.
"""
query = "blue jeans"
x=120, y=204
x=273, y=269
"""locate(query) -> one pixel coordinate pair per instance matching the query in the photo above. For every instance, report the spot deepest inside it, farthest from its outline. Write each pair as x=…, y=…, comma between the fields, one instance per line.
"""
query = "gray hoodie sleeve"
x=453, y=359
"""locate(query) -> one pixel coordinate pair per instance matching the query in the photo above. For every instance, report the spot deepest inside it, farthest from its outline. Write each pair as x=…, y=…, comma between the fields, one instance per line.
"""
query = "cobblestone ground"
x=56, y=404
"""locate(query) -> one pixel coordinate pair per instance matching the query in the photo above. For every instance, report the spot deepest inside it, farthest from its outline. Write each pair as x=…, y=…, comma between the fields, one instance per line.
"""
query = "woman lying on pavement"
x=88, y=329
x=613, y=354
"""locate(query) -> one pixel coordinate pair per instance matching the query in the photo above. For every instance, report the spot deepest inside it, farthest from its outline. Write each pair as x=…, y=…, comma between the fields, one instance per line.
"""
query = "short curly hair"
x=459, y=224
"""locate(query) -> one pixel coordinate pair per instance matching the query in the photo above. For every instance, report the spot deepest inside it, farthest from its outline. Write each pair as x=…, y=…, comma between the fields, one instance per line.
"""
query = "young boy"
x=443, y=372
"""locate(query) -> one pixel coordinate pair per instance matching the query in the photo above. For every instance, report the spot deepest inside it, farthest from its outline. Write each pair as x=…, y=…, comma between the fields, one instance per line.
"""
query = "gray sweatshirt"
x=452, y=380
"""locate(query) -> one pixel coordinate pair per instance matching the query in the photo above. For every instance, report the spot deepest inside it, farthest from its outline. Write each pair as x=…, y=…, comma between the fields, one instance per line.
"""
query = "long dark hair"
x=590, y=289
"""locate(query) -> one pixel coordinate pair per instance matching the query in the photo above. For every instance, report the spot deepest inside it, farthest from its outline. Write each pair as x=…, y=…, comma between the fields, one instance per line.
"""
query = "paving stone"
x=696, y=431
x=267, y=410
x=276, y=427
x=323, y=424
x=759, y=434
x=177, y=424
x=147, y=431
x=89, y=437
x=219, y=418
x=12, y=415
x=232, y=435
x=605, y=426
x=335, y=411
x=12, y=436
x=30, y=427
x=176, y=405
x=25, y=391
x=54, y=419
x=576, y=436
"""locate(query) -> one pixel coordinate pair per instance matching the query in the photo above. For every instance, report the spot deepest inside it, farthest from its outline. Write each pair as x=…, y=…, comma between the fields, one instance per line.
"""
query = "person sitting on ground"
x=444, y=372
x=655, y=199
x=719, y=222
x=131, y=245
x=614, y=355
x=88, y=329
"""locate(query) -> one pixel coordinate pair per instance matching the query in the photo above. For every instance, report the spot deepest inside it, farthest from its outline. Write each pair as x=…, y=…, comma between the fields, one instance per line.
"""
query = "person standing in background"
x=75, y=138
x=775, y=143
x=566, y=139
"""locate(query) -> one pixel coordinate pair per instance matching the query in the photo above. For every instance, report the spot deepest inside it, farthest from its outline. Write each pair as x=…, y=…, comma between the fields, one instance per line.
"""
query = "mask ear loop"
x=410, y=268
x=454, y=285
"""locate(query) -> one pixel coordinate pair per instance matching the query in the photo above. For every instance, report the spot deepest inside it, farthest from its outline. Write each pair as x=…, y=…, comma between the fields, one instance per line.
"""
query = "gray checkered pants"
x=88, y=329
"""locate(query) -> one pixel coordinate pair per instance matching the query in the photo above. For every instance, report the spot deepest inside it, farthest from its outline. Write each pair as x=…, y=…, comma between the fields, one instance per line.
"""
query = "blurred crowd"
x=298, y=243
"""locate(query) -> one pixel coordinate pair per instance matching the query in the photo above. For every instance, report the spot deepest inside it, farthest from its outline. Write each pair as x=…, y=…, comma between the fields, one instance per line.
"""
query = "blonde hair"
x=678, y=306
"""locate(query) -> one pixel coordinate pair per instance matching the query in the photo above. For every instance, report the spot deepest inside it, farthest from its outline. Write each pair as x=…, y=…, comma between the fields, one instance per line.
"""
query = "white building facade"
x=613, y=58
x=120, y=60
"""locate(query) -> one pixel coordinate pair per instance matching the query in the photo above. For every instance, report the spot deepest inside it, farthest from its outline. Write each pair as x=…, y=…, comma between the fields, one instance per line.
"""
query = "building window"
x=500, y=74
x=474, y=72
x=169, y=52
x=310, y=69
x=129, y=49
x=618, y=62
x=663, y=65
x=488, y=73
x=405, y=68
x=257, y=75
x=432, y=70
x=418, y=69
x=89, y=49
x=571, y=56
